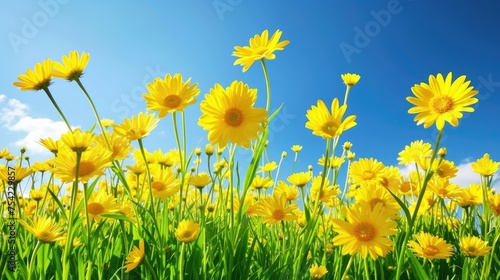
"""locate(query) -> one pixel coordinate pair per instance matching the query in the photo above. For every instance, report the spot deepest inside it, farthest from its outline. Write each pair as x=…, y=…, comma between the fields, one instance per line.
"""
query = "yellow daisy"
x=296, y=148
x=261, y=182
x=274, y=209
x=366, y=231
x=299, y=179
x=474, y=247
x=268, y=167
x=135, y=257
x=200, y=180
x=350, y=79
x=51, y=145
x=416, y=151
x=119, y=146
x=93, y=162
x=494, y=201
x=325, y=192
x=430, y=247
x=291, y=193
x=37, y=79
x=373, y=194
x=72, y=66
x=473, y=195
x=100, y=203
x=164, y=183
x=44, y=229
x=317, y=271
x=442, y=100
x=20, y=174
x=327, y=125
x=77, y=140
x=170, y=95
x=485, y=166
x=187, y=231
x=229, y=116
x=261, y=47
x=366, y=170
x=137, y=127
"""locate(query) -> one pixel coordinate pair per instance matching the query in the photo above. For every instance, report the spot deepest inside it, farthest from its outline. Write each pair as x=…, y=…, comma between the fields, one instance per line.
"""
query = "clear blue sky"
x=132, y=42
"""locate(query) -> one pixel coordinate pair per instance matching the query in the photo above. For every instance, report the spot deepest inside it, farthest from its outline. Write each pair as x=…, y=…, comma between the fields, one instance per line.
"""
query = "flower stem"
x=30, y=267
x=346, y=94
x=268, y=86
x=347, y=267
x=47, y=91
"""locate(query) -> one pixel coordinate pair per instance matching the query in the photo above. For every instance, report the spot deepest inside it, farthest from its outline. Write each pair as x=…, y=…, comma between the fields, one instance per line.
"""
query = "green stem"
x=367, y=272
x=181, y=262
x=347, y=267
x=346, y=94
x=150, y=268
x=148, y=172
x=88, y=227
x=181, y=159
x=47, y=91
x=77, y=80
x=30, y=267
x=268, y=86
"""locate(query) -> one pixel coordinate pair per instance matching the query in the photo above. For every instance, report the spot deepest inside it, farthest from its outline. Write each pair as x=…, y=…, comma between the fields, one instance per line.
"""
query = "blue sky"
x=391, y=44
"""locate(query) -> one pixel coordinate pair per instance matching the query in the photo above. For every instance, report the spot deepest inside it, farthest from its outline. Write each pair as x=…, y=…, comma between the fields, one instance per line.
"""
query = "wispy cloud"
x=14, y=116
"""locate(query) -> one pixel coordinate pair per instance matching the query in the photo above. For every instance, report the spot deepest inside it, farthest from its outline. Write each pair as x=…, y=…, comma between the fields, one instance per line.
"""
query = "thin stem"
x=347, y=267
x=77, y=80
x=181, y=262
x=30, y=267
x=47, y=91
x=346, y=94
x=268, y=86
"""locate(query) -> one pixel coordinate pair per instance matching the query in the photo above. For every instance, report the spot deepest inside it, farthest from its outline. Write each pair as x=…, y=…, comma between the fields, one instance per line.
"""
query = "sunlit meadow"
x=106, y=206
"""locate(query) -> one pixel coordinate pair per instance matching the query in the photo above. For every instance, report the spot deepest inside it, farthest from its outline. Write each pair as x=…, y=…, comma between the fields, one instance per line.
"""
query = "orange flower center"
x=364, y=231
x=95, y=208
x=45, y=236
x=384, y=182
x=442, y=104
x=330, y=128
x=136, y=133
x=233, y=117
x=86, y=167
x=159, y=186
x=471, y=250
x=368, y=175
x=172, y=101
x=186, y=233
x=278, y=214
x=431, y=250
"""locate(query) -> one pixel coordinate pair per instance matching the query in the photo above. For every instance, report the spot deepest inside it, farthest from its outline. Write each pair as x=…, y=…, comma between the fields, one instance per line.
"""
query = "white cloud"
x=14, y=116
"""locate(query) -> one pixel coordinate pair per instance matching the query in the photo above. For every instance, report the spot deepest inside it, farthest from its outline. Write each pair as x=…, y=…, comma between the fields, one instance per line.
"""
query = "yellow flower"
x=44, y=229
x=36, y=79
x=229, y=116
x=485, y=166
x=77, y=140
x=365, y=231
x=164, y=183
x=291, y=193
x=474, y=247
x=260, y=47
x=92, y=164
x=51, y=145
x=442, y=100
x=373, y=194
x=100, y=203
x=261, y=182
x=187, y=231
x=296, y=148
x=471, y=196
x=107, y=122
x=268, y=167
x=390, y=177
x=137, y=169
x=135, y=257
x=443, y=188
x=119, y=146
x=325, y=192
x=170, y=95
x=417, y=151
x=350, y=79
x=274, y=209
x=495, y=204
x=366, y=170
x=327, y=125
x=37, y=194
x=72, y=66
x=430, y=247
x=138, y=127
x=299, y=179
x=317, y=272
x=200, y=180
x=20, y=174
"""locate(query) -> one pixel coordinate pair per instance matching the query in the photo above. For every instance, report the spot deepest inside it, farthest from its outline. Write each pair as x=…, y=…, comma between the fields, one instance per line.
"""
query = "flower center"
x=471, y=249
x=368, y=174
x=233, y=117
x=262, y=50
x=159, y=186
x=431, y=250
x=364, y=231
x=172, y=101
x=384, y=182
x=86, y=168
x=329, y=128
x=95, y=208
x=45, y=236
x=278, y=214
x=442, y=104
x=186, y=233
